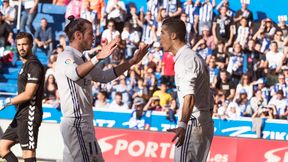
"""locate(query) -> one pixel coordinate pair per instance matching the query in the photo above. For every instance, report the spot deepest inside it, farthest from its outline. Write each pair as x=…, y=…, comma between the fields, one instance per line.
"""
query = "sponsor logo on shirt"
x=68, y=61
x=31, y=78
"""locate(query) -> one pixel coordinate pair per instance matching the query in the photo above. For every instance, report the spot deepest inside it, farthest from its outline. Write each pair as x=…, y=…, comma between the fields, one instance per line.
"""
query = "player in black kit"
x=25, y=125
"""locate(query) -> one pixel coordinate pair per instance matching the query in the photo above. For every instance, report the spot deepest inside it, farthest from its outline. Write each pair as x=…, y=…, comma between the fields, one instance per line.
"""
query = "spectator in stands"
x=149, y=29
x=173, y=7
x=269, y=28
x=213, y=72
x=132, y=78
x=117, y=103
x=140, y=119
x=243, y=13
x=243, y=104
x=225, y=84
x=150, y=79
x=98, y=7
x=208, y=37
x=140, y=90
x=168, y=72
x=28, y=15
x=260, y=38
x=260, y=85
x=205, y=14
x=202, y=49
x=123, y=88
x=281, y=104
x=9, y=13
x=165, y=97
x=73, y=8
x=116, y=11
x=110, y=33
x=243, y=32
x=160, y=17
x=275, y=58
x=153, y=104
x=221, y=57
x=43, y=38
x=63, y=40
x=101, y=101
x=154, y=6
x=278, y=37
x=190, y=10
x=189, y=27
x=131, y=38
x=253, y=59
x=220, y=104
x=89, y=14
x=282, y=25
x=135, y=19
x=262, y=65
x=236, y=63
x=225, y=3
x=6, y=34
x=258, y=100
x=245, y=84
x=223, y=28
x=280, y=85
x=51, y=91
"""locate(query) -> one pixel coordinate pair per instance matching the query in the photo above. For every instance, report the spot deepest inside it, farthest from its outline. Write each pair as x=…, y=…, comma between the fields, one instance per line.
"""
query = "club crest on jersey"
x=68, y=61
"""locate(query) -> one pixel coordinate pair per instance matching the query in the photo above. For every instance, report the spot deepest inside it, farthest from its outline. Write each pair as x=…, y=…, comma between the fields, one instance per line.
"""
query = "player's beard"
x=26, y=55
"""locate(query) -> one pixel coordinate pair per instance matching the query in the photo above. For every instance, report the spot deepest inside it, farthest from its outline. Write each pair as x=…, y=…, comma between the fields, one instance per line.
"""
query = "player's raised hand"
x=180, y=134
x=108, y=49
x=140, y=53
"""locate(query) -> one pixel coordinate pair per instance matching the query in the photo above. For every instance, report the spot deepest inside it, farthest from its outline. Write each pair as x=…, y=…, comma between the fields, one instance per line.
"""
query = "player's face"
x=165, y=39
x=88, y=37
x=24, y=47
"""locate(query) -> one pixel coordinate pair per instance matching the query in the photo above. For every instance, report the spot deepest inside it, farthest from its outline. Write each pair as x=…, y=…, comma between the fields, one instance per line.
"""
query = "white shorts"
x=196, y=144
x=80, y=144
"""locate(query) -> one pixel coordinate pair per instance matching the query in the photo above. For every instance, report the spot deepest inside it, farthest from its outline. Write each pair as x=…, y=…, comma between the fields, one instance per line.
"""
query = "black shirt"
x=226, y=86
x=4, y=31
x=32, y=71
x=223, y=27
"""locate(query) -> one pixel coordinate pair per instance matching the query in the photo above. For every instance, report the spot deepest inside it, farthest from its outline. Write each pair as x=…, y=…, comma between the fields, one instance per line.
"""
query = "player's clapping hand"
x=108, y=49
x=139, y=54
x=180, y=134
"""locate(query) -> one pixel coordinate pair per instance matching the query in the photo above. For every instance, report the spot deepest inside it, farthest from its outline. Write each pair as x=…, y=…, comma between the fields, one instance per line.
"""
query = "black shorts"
x=24, y=130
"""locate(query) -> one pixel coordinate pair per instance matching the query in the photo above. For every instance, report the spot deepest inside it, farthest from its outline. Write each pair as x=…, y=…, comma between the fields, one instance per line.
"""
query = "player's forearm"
x=21, y=98
x=189, y=101
x=120, y=69
x=85, y=68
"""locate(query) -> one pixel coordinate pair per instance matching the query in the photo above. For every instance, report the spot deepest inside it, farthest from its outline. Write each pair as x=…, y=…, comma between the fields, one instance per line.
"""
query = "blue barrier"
x=273, y=129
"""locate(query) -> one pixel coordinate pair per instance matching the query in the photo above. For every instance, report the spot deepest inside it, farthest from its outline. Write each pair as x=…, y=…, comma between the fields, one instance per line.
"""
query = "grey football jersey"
x=192, y=77
x=75, y=92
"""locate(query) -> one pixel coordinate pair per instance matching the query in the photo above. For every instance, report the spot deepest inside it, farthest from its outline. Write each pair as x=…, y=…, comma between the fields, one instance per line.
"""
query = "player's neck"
x=176, y=46
x=76, y=46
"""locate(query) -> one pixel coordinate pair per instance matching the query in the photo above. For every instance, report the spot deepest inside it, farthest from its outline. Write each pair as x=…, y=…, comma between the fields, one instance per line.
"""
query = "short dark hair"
x=75, y=25
x=177, y=26
x=21, y=35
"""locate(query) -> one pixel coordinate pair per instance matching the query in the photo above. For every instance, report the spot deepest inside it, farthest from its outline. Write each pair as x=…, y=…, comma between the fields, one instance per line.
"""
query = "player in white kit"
x=195, y=128
x=74, y=75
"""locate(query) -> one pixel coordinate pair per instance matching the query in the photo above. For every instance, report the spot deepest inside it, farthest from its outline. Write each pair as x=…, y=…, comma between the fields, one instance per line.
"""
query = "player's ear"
x=78, y=35
x=173, y=36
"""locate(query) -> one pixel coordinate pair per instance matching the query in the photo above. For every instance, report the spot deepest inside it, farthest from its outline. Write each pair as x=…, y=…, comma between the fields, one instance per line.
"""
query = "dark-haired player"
x=195, y=127
x=74, y=75
x=25, y=125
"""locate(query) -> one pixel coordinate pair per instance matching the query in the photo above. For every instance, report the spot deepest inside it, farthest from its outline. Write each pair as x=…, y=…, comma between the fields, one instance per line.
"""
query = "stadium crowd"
x=247, y=60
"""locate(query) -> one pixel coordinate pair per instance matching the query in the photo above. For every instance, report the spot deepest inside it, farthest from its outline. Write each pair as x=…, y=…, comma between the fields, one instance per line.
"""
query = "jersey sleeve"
x=102, y=76
x=66, y=63
x=187, y=85
x=35, y=73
